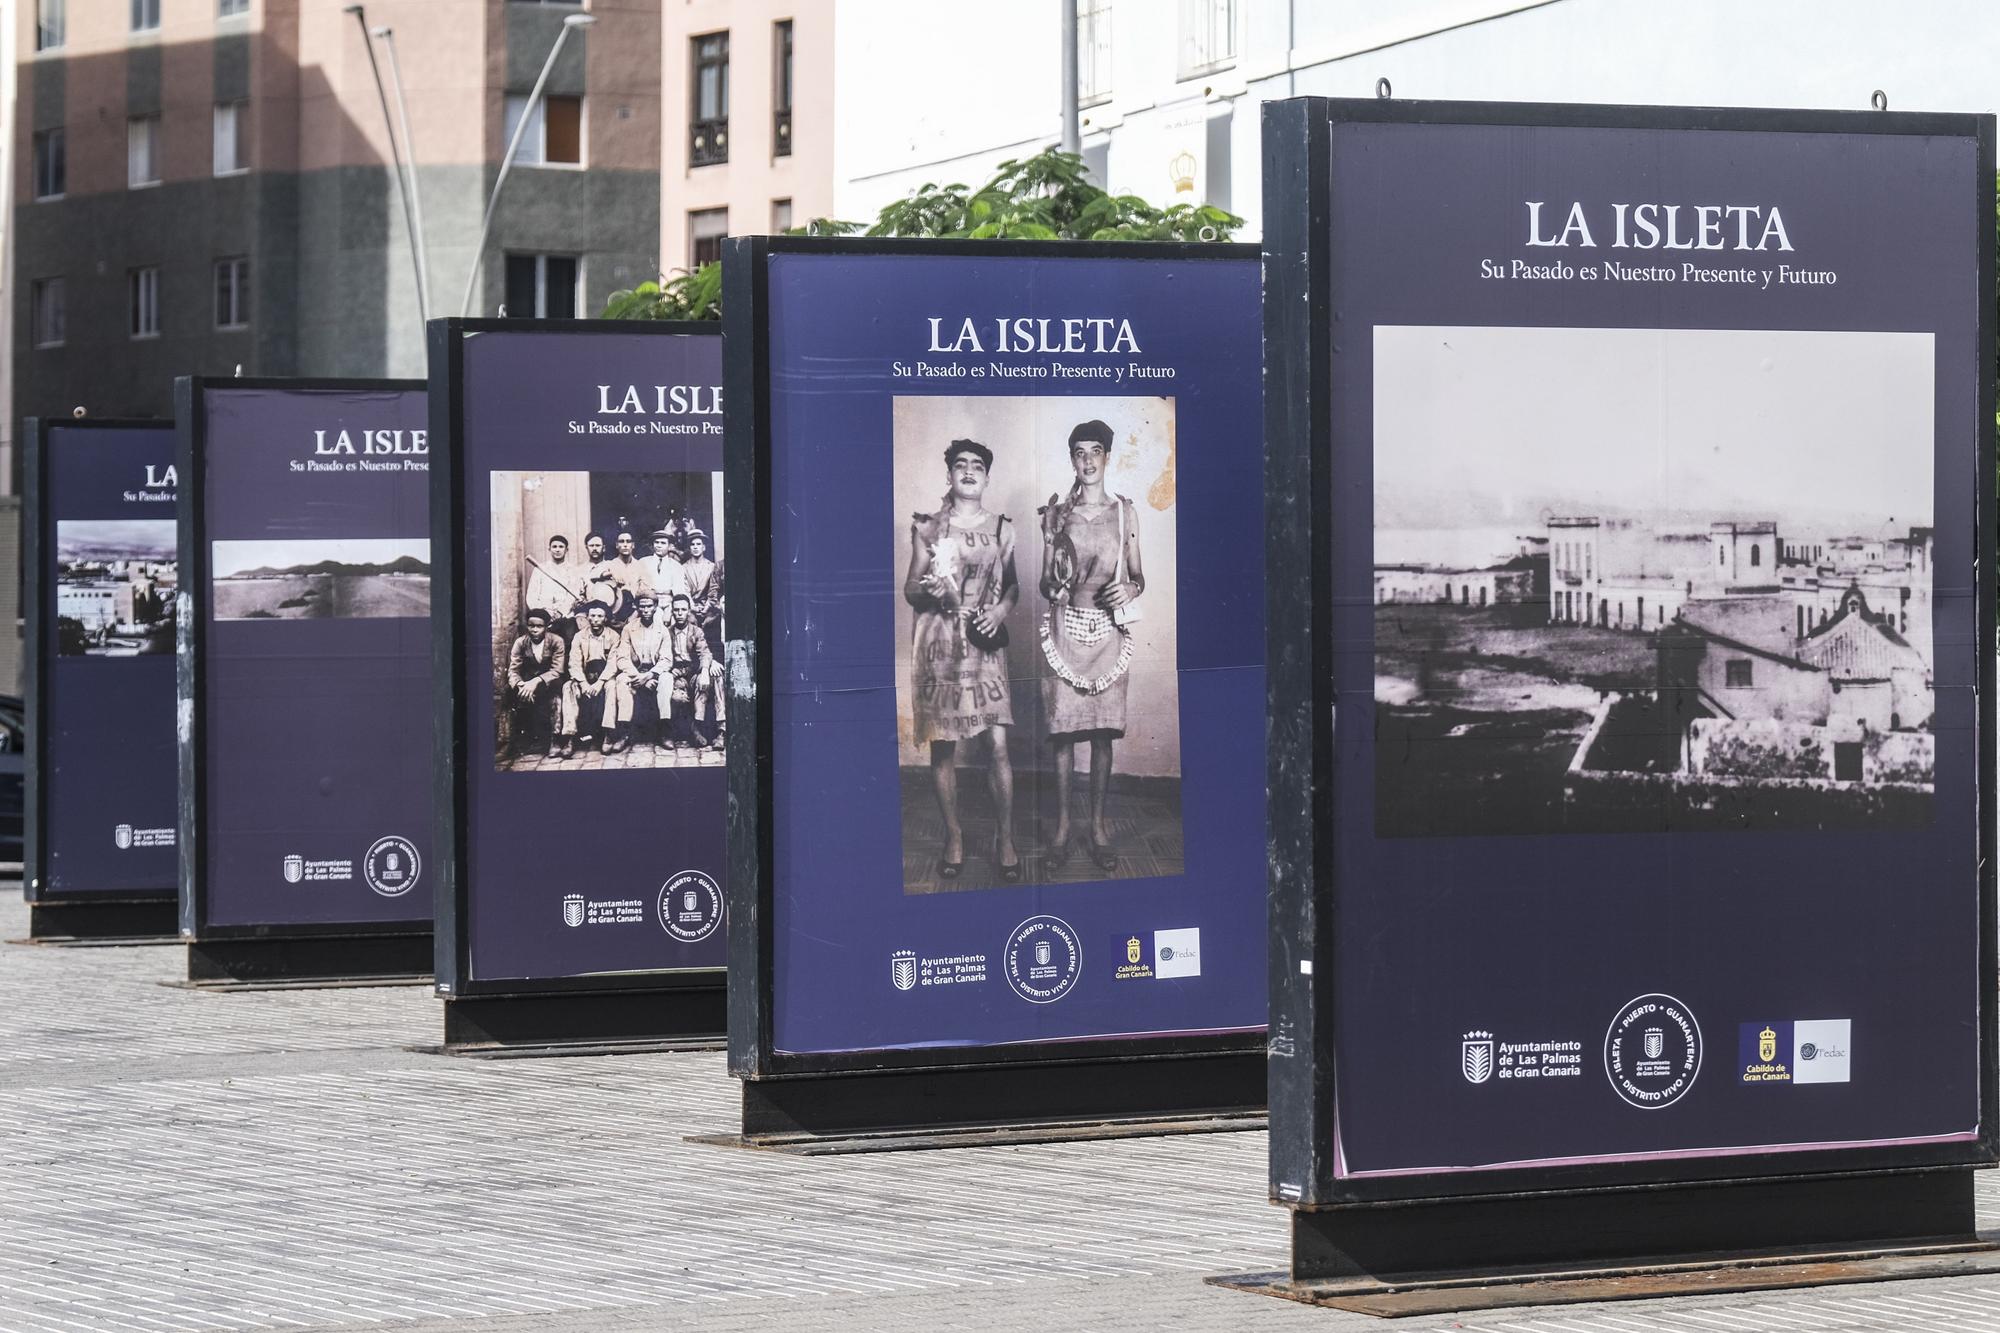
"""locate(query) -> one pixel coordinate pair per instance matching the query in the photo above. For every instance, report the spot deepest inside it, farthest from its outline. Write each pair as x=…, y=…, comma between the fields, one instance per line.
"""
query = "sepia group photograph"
x=1652, y=580
x=115, y=586
x=607, y=625
x=1037, y=688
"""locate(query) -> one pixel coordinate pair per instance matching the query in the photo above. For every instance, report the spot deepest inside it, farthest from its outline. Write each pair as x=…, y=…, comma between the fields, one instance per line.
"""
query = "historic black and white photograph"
x=330, y=578
x=1649, y=580
x=115, y=585
x=1038, y=697
x=607, y=620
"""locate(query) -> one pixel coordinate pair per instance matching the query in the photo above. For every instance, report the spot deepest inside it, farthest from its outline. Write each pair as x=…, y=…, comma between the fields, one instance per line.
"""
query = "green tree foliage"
x=1046, y=197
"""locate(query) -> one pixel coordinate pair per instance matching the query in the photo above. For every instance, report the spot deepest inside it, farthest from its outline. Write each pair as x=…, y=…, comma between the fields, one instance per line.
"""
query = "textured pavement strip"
x=179, y=1160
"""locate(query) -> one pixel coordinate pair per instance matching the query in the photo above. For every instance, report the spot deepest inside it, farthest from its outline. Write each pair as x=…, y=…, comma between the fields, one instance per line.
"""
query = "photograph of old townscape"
x=1652, y=580
x=115, y=582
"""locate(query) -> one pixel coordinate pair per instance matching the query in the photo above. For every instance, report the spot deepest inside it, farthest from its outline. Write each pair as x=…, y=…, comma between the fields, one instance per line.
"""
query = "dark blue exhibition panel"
x=307, y=674
x=586, y=469
x=973, y=444
x=1652, y=837
x=101, y=780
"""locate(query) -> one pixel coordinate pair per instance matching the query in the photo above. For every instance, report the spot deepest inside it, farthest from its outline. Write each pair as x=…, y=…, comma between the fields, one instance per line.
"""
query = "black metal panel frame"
x=747, y=510
x=1299, y=657
x=452, y=827
x=191, y=673
x=38, y=571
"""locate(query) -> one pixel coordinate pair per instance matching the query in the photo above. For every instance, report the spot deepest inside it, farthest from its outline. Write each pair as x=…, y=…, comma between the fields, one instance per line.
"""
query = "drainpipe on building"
x=1072, y=137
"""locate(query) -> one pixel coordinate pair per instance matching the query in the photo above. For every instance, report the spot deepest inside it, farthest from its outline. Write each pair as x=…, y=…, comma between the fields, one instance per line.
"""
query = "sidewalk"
x=180, y=1160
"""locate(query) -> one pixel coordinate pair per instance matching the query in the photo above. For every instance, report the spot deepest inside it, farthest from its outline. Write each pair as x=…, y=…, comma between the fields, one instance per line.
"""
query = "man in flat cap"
x=534, y=687
x=697, y=700
x=556, y=587
x=630, y=576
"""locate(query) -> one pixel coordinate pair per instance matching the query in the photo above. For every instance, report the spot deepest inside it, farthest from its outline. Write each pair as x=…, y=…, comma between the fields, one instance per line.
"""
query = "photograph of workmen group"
x=607, y=620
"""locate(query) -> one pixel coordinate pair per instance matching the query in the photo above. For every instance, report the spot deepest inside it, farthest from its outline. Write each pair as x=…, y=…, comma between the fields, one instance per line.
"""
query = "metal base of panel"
x=310, y=962
x=984, y=1105
x=1443, y=1256
x=680, y=1018
x=128, y=921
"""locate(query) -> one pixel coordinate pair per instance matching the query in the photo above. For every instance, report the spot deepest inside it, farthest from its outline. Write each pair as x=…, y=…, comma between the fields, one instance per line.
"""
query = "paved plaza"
x=172, y=1159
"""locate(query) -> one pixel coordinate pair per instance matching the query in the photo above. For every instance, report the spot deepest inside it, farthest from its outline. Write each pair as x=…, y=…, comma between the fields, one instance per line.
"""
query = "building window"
x=781, y=86
x=51, y=24
x=232, y=293
x=1208, y=36
x=781, y=216
x=555, y=131
x=51, y=165
x=706, y=228
x=229, y=157
x=50, y=312
x=145, y=15
x=142, y=151
x=708, y=122
x=541, y=286
x=1756, y=556
x=1093, y=52
x=231, y=8
x=1736, y=673
x=145, y=288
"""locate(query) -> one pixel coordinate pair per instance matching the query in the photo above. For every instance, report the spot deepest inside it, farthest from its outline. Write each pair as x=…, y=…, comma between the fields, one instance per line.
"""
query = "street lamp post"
x=395, y=157
x=514, y=143
x=388, y=36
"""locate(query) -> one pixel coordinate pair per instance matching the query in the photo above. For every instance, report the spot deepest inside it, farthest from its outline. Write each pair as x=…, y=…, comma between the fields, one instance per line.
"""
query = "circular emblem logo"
x=1044, y=959
x=391, y=866
x=1808, y=1052
x=1652, y=1052
x=691, y=906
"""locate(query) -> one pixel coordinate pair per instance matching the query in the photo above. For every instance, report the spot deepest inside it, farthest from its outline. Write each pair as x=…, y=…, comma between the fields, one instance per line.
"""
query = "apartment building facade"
x=205, y=186
x=1170, y=90
x=748, y=84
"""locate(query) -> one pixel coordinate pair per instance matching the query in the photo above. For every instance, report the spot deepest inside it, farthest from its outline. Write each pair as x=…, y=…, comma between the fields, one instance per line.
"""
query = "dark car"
x=13, y=768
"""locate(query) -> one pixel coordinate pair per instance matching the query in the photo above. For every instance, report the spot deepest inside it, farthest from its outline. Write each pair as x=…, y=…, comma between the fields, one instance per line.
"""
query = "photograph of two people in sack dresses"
x=607, y=621
x=1038, y=696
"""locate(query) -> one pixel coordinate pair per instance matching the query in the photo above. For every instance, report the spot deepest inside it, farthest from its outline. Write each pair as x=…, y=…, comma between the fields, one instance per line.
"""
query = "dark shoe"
x=564, y=748
x=949, y=869
x=615, y=744
x=1058, y=856
x=1009, y=874
x=1105, y=859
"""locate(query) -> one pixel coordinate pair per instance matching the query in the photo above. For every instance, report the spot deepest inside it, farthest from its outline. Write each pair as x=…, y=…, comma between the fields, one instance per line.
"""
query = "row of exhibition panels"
x=926, y=680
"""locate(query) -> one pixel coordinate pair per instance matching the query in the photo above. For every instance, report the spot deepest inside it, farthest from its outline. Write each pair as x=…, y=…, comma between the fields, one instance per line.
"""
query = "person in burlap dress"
x=1091, y=575
x=961, y=585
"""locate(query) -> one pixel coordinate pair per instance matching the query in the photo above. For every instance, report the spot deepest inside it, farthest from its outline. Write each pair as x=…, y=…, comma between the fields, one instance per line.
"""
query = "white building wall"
x=943, y=90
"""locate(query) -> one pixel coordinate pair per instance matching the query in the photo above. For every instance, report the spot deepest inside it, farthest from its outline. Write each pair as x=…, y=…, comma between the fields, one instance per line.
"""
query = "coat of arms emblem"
x=295, y=869
x=573, y=909
x=122, y=835
x=1475, y=1057
x=1132, y=953
x=903, y=969
x=1656, y=1041
x=1042, y=953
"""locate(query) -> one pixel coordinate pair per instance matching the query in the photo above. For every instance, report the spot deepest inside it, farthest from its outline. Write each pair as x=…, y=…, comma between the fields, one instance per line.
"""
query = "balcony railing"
x=781, y=134
x=708, y=142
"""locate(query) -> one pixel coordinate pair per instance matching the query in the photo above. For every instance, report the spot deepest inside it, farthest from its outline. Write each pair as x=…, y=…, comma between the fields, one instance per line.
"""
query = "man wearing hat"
x=697, y=679
x=556, y=587
x=594, y=695
x=534, y=687
x=663, y=569
x=645, y=666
